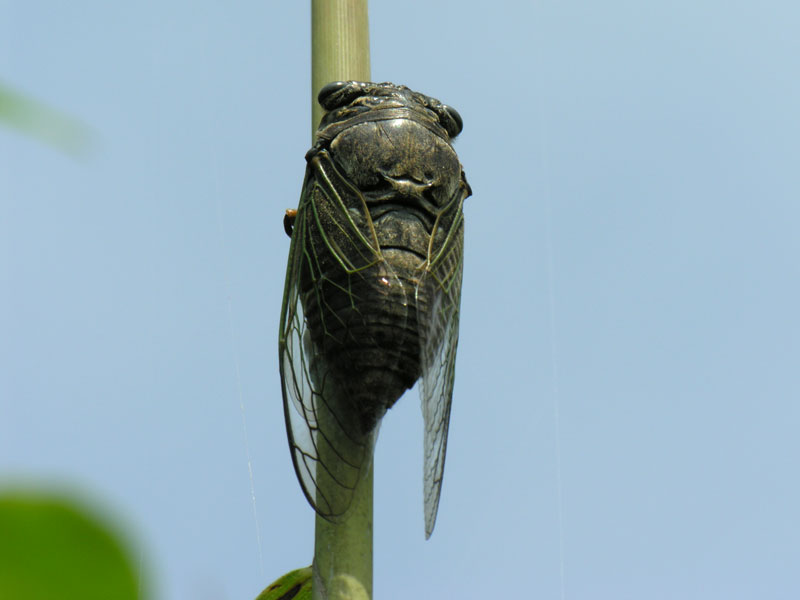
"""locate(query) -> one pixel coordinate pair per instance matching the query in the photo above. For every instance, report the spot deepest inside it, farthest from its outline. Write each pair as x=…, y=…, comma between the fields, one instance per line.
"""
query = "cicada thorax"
x=383, y=204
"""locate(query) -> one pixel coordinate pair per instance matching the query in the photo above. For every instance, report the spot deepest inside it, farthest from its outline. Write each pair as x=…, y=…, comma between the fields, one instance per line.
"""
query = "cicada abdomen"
x=373, y=285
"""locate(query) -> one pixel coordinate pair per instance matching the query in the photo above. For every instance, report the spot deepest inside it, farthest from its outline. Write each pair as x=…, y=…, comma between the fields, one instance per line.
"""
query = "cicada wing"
x=329, y=448
x=441, y=285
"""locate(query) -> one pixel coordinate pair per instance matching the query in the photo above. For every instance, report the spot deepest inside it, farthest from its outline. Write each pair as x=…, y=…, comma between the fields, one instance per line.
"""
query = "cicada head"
x=340, y=98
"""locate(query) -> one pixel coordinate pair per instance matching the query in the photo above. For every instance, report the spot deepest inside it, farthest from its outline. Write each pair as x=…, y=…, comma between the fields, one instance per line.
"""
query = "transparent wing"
x=329, y=449
x=441, y=284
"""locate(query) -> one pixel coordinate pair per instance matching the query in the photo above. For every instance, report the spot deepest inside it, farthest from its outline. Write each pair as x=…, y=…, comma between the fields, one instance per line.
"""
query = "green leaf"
x=37, y=120
x=295, y=585
x=53, y=549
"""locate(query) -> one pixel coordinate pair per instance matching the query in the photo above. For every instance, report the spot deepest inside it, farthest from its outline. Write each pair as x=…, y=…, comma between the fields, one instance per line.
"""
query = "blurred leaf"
x=295, y=585
x=37, y=120
x=51, y=549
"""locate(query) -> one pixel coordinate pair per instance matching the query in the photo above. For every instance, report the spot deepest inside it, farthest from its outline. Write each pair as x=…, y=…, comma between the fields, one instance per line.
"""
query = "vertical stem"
x=339, y=46
x=342, y=550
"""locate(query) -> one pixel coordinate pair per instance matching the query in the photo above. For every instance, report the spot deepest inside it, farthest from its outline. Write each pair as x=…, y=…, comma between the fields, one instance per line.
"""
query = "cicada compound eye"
x=454, y=124
x=339, y=93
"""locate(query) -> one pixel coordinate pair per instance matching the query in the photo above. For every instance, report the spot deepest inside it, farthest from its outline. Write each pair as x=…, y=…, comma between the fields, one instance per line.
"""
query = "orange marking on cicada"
x=288, y=220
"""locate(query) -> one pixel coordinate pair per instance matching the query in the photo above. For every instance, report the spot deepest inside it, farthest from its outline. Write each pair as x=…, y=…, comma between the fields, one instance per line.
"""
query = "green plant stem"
x=342, y=550
x=339, y=46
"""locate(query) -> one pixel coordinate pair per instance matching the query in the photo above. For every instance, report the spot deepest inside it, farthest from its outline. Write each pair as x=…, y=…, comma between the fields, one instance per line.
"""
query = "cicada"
x=373, y=285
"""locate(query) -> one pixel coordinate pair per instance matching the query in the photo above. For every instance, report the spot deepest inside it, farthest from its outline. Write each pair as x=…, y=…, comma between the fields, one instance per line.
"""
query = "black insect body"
x=373, y=285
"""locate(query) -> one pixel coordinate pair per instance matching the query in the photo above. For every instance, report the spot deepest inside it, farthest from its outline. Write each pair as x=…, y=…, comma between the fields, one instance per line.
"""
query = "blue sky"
x=630, y=293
